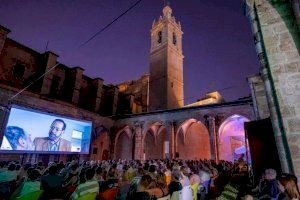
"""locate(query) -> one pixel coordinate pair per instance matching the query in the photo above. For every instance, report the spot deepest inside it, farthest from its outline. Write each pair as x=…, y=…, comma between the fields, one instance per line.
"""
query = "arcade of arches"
x=190, y=134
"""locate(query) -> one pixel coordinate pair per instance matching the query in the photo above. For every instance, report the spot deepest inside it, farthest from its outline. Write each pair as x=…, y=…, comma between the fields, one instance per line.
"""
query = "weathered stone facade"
x=20, y=66
x=277, y=41
x=134, y=96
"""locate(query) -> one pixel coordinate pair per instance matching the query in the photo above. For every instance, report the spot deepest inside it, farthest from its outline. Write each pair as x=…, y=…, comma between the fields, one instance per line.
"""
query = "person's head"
x=111, y=173
x=99, y=171
x=144, y=183
x=176, y=174
x=29, y=170
x=141, y=171
x=53, y=169
x=161, y=180
x=185, y=170
x=34, y=175
x=152, y=168
x=11, y=167
x=74, y=167
x=57, y=128
x=89, y=174
x=290, y=186
x=16, y=137
x=270, y=174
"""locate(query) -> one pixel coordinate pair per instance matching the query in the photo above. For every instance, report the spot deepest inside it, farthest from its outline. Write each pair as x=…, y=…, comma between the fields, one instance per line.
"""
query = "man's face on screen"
x=56, y=130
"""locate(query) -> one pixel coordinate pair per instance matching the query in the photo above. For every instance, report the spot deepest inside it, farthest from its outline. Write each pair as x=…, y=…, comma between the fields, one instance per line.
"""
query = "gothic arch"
x=184, y=126
x=153, y=141
x=154, y=128
x=101, y=143
x=231, y=134
x=123, y=144
x=192, y=140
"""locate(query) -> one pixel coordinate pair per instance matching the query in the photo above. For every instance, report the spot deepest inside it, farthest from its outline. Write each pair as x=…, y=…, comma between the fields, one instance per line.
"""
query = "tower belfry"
x=166, y=63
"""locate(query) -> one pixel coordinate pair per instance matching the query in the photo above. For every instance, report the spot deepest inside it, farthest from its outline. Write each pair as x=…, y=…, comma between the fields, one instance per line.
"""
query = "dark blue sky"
x=217, y=42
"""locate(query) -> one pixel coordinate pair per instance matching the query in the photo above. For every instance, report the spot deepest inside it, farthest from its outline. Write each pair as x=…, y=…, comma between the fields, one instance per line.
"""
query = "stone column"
x=98, y=83
x=170, y=139
x=3, y=35
x=78, y=71
x=276, y=45
x=51, y=60
x=213, y=138
x=138, y=151
x=258, y=94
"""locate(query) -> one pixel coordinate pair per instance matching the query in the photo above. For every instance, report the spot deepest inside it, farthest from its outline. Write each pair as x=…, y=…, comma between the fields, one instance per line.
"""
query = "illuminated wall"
x=232, y=138
x=193, y=141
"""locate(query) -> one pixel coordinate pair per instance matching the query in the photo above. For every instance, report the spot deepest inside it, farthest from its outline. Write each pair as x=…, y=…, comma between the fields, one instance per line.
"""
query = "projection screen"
x=32, y=131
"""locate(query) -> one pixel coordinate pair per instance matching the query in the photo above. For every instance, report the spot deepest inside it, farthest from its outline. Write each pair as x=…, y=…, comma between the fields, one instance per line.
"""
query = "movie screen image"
x=29, y=130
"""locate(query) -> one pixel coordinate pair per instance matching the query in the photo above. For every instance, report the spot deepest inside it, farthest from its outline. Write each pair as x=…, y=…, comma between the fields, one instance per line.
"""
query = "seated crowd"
x=141, y=180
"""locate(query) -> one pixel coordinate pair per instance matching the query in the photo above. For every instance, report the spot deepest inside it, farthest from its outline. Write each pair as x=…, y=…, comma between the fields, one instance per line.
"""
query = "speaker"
x=177, y=155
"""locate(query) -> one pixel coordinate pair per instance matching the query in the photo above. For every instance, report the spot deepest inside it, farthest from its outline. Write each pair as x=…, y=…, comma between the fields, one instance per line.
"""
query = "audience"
x=89, y=186
x=32, y=184
x=52, y=183
x=142, y=180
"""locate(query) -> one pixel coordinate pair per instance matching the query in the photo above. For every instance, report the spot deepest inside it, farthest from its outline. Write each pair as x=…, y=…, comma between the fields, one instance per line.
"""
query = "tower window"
x=174, y=39
x=159, y=38
x=18, y=71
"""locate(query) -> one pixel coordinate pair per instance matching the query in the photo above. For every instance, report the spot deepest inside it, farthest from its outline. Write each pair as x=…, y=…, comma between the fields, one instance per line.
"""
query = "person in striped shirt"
x=90, y=186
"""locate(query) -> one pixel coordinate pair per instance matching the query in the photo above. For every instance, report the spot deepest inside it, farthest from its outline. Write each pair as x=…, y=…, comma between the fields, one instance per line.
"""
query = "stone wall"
x=136, y=94
x=12, y=54
x=277, y=43
x=258, y=93
x=57, y=81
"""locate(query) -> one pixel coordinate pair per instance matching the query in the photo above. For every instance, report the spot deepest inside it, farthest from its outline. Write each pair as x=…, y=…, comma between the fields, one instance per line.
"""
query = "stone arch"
x=101, y=144
x=123, y=144
x=153, y=141
x=149, y=142
x=192, y=140
x=231, y=134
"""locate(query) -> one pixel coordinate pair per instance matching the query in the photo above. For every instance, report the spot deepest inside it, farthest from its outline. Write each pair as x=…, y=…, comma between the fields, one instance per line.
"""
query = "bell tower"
x=166, y=63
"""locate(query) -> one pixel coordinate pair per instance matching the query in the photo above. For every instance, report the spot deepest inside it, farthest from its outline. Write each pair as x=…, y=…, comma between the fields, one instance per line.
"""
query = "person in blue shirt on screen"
x=15, y=138
x=54, y=142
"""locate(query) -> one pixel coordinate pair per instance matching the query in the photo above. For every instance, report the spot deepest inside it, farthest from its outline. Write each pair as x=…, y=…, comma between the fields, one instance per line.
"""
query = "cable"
x=11, y=98
x=116, y=19
x=99, y=32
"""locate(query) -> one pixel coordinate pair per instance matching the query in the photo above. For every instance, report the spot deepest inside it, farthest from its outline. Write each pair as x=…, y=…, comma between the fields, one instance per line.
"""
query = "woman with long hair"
x=291, y=190
x=161, y=189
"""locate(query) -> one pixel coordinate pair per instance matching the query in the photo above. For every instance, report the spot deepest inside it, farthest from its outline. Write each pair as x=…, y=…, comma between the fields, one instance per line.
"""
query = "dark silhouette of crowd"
x=141, y=180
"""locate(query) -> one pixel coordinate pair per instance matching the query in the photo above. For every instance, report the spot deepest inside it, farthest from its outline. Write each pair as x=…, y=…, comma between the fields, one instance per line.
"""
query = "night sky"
x=217, y=42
